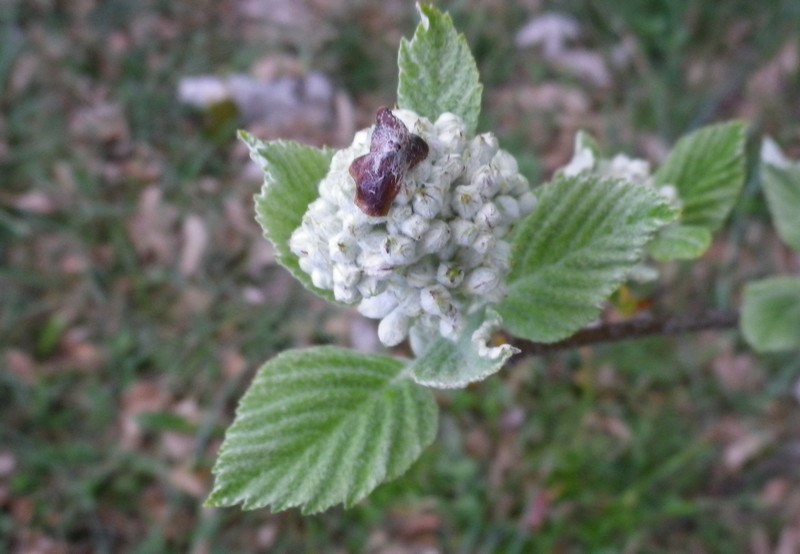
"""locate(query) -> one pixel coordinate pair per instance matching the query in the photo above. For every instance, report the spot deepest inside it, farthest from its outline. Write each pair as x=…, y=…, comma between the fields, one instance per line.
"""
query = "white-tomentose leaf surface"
x=574, y=250
x=437, y=71
x=708, y=169
x=680, y=242
x=319, y=427
x=771, y=314
x=782, y=189
x=292, y=173
x=448, y=364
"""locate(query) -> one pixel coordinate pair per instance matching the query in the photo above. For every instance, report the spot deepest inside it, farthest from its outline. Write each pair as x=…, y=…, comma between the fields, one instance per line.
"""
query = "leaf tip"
x=426, y=11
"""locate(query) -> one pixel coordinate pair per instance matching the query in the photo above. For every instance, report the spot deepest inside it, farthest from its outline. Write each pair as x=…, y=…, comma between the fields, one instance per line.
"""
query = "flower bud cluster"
x=586, y=159
x=440, y=250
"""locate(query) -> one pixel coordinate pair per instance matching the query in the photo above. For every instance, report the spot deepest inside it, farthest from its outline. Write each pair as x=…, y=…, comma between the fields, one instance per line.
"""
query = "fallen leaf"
x=150, y=229
x=737, y=372
x=142, y=397
x=35, y=202
x=775, y=492
x=103, y=122
x=261, y=254
x=233, y=363
x=184, y=479
x=21, y=365
x=789, y=541
x=551, y=31
x=178, y=446
x=195, y=243
x=8, y=463
x=759, y=541
x=585, y=64
x=744, y=449
x=538, y=511
x=266, y=535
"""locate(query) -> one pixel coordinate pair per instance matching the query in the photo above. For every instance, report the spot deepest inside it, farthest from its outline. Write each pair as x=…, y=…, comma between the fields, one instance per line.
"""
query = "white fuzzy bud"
x=483, y=243
x=343, y=248
x=427, y=202
x=306, y=264
x=464, y=232
x=450, y=130
x=399, y=215
x=449, y=328
x=345, y=294
x=398, y=250
x=482, y=280
x=466, y=201
x=393, y=328
x=320, y=279
x=631, y=169
x=435, y=239
x=509, y=207
x=506, y=164
x=356, y=223
x=488, y=216
x=517, y=186
x=369, y=286
x=670, y=193
x=527, y=202
x=302, y=243
x=486, y=181
x=375, y=264
x=469, y=258
x=440, y=249
x=422, y=273
x=415, y=226
x=378, y=306
x=373, y=242
x=346, y=275
x=449, y=275
x=410, y=305
x=481, y=150
x=437, y=301
x=450, y=169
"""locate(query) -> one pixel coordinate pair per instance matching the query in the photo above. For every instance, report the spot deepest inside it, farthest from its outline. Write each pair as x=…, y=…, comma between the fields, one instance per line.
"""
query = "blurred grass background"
x=137, y=297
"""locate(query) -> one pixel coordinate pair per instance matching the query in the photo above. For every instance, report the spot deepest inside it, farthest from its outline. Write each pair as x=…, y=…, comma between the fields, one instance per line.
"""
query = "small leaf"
x=708, y=169
x=585, y=141
x=782, y=189
x=579, y=244
x=680, y=242
x=292, y=173
x=319, y=427
x=446, y=364
x=771, y=314
x=437, y=71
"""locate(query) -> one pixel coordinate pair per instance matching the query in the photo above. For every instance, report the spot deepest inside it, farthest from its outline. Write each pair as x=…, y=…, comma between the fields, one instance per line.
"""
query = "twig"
x=632, y=329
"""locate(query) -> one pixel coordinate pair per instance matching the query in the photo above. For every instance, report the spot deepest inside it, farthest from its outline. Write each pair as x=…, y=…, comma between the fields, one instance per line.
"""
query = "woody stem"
x=637, y=328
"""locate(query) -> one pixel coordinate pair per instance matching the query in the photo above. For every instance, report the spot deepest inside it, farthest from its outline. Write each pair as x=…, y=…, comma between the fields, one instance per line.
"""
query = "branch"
x=638, y=328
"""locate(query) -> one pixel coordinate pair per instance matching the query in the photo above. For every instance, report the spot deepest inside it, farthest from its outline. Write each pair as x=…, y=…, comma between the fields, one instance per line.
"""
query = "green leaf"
x=585, y=141
x=319, y=427
x=680, y=242
x=771, y=314
x=782, y=189
x=708, y=169
x=574, y=250
x=292, y=173
x=450, y=364
x=437, y=71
